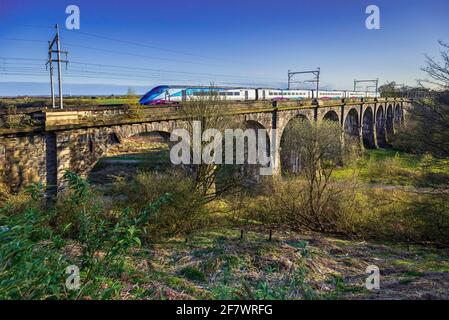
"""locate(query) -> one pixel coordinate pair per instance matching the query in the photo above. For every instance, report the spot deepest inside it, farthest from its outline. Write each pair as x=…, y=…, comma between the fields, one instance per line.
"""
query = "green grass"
x=71, y=102
x=391, y=167
x=193, y=274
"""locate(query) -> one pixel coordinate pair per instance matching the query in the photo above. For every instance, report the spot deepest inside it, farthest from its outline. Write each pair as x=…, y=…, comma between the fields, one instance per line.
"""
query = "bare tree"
x=212, y=179
x=428, y=125
x=438, y=70
x=319, y=148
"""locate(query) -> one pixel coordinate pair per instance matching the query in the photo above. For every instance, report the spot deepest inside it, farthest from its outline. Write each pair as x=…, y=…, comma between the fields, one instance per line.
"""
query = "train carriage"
x=278, y=94
x=329, y=95
x=372, y=95
x=176, y=94
x=355, y=95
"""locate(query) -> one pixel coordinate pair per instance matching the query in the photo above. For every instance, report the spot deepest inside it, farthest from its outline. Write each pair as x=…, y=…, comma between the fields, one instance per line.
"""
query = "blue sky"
x=251, y=42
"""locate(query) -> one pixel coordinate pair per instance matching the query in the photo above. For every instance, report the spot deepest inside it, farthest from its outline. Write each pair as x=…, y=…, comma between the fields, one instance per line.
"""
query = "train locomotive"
x=176, y=94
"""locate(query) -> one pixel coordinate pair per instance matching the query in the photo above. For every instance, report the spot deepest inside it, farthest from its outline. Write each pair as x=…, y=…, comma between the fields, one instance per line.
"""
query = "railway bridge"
x=76, y=139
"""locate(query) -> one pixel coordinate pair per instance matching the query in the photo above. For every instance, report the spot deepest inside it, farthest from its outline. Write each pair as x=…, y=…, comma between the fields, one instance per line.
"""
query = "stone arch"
x=331, y=116
x=128, y=149
x=290, y=161
x=351, y=124
x=380, y=127
x=389, y=122
x=286, y=116
x=369, y=140
x=250, y=171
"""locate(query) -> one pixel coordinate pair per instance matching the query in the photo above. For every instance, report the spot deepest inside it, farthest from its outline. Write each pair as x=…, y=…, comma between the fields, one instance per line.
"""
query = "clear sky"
x=140, y=44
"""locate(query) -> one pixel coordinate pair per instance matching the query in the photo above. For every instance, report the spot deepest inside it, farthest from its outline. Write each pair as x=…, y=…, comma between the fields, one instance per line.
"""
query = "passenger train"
x=176, y=94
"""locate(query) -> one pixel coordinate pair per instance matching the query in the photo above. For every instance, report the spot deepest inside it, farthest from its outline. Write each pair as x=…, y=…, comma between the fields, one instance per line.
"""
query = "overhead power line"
x=68, y=44
x=105, y=67
x=23, y=40
x=154, y=47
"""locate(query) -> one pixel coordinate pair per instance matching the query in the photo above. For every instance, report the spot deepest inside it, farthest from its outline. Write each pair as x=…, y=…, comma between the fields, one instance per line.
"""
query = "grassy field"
x=68, y=101
x=391, y=167
x=218, y=264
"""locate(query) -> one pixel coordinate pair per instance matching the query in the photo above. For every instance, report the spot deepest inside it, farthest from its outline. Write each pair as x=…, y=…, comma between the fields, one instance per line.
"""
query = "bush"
x=31, y=261
x=35, y=253
x=389, y=170
x=185, y=212
x=134, y=111
x=13, y=119
x=289, y=204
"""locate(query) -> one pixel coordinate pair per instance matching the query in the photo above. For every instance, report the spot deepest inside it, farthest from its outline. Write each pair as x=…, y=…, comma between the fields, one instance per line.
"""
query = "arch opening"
x=290, y=159
x=331, y=116
x=147, y=151
x=397, y=116
x=351, y=125
x=250, y=170
x=380, y=127
x=389, y=122
x=368, y=129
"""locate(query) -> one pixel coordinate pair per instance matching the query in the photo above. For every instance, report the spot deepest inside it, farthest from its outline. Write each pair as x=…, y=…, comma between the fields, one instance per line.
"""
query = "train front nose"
x=153, y=95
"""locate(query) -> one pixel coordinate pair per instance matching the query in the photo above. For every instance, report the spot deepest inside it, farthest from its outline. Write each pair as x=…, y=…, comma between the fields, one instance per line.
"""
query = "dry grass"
x=219, y=265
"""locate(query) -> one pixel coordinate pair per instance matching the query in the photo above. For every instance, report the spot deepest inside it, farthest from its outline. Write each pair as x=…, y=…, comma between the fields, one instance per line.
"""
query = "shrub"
x=31, y=263
x=134, y=111
x=389, y=170
x=185, y=212
x=193, y=274
x=34, y=253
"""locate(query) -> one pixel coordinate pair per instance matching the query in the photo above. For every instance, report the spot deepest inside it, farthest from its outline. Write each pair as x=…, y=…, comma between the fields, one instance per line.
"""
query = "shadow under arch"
x=397, y=116
x=380, y=127
x=390, y=122
x=368, y=129
x=351, y=125
x=290, y=159
x=255, y=154
x=331, y=116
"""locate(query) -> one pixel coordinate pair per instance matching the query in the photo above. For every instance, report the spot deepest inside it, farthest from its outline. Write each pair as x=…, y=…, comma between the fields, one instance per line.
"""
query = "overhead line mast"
x=56, y=42
x=316, y=73
x=373, y=81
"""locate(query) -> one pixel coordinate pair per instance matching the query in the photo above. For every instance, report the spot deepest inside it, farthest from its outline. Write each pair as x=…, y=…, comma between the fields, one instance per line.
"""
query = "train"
x=175, y=94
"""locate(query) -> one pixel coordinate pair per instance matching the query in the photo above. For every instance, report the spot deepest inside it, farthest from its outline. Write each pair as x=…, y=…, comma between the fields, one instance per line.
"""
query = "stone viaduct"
x=76, y=140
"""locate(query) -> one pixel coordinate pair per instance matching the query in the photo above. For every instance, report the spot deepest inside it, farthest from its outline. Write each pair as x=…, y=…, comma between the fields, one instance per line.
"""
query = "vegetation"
x=201, y=231
x=35, y=103
x=12, y=119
